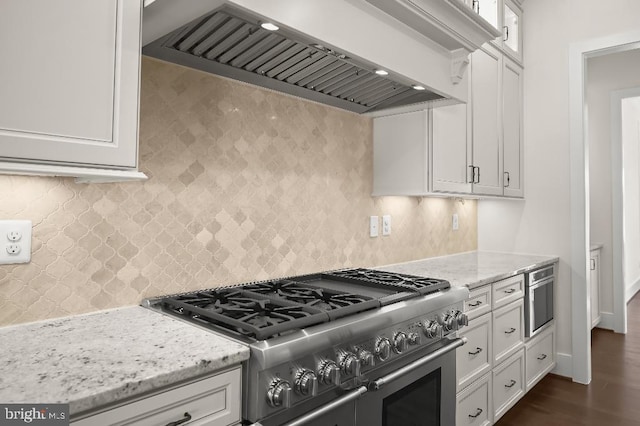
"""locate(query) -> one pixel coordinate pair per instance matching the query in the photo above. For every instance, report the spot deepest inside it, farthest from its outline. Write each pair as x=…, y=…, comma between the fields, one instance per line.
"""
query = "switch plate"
x=15, y=241
x=456, y=225
x=373, y=226
x=386, y=224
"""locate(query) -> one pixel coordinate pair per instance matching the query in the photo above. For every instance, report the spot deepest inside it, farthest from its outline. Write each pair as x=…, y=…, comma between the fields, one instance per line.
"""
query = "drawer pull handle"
x=510, y=331
x=541, y=357
x=510, y=290
x=478, y=412
x=511, y=384
x=476, y=352
x=476, y=303
x=186, y=418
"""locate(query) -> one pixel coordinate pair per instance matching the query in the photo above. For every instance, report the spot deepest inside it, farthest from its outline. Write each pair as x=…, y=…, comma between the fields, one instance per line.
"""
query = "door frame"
x=579, y=160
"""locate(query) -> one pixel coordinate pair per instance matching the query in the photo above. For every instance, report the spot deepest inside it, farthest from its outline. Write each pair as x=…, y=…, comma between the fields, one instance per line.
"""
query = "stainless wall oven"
x=538, y=299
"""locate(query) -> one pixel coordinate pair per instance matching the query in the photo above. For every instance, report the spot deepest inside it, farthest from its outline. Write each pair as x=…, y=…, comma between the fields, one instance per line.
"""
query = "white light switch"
x=373, y=226
x=386, y=224
x=455, y=222
x=15, y=241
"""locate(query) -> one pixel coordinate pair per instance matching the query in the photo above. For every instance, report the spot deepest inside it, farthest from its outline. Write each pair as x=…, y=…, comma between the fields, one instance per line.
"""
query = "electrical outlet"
x=456, y=225
x=386, y=224
x=16, y=236
x=13, y=249
x=373, y=226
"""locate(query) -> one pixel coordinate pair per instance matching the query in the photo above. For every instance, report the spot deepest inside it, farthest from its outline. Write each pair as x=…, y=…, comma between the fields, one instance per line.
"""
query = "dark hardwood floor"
x=611, y=399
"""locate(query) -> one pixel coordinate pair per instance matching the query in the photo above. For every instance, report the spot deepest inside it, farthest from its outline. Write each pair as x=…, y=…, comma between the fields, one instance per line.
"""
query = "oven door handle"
x=379, y=383
x=313, y=415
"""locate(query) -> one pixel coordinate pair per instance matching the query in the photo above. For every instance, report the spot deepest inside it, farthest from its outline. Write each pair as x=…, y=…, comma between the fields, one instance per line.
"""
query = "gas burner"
x=299, y=292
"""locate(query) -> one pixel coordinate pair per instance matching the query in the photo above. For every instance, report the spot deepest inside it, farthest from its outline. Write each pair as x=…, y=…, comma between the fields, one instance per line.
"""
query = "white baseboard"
x=631, y=291
x=564, y=365
x=606, y=320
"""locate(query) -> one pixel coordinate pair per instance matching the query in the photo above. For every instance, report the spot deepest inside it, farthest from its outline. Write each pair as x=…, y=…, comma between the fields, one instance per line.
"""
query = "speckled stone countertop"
x=95, y=359
x=473, y=269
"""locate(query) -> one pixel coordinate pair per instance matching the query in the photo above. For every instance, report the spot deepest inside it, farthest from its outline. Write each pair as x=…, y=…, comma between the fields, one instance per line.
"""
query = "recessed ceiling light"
x=416, y=87
x=269, y=26
x=382, y=72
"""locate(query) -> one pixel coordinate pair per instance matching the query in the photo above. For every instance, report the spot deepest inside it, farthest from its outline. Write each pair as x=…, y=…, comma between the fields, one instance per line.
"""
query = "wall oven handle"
x=379, y=383
x=313, y=415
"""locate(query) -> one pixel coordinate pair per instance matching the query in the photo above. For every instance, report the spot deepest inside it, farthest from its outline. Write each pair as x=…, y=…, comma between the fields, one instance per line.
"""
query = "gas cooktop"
x=258, y=311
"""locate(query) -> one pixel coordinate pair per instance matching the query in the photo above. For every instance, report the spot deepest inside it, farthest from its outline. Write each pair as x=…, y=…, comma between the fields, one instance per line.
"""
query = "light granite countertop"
x=472, y=269
x=96, y=359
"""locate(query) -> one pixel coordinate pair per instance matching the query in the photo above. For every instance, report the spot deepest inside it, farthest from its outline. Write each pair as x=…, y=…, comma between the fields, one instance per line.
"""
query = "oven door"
x=539, y=304
x=421, y=393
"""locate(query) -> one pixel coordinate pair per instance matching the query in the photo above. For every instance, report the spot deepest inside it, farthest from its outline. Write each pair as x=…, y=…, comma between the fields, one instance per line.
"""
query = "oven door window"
x=415, y=405
x=542, y=305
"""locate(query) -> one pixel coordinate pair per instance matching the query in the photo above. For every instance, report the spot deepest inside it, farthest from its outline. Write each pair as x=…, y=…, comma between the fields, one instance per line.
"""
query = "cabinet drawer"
x=508, y=330
x=479, y=302
x=473, y=405
x=508, y=384
x=507, y=290
x=214, y=400
x=540, y=356
x=474, y=359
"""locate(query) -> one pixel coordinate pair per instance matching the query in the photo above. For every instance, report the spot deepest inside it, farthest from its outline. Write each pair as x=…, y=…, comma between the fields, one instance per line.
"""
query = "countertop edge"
x=499, y=277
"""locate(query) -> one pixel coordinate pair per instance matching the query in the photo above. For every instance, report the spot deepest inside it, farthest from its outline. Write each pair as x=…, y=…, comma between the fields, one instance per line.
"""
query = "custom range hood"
x=344, y=53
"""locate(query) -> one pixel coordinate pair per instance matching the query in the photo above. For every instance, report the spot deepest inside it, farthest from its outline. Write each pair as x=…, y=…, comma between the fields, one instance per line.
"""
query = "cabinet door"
x=512, y=30
x=487, y=147
x=451, y=149
x=70, y=94
x=512, y=128
x=595, y=287
x=401, y=154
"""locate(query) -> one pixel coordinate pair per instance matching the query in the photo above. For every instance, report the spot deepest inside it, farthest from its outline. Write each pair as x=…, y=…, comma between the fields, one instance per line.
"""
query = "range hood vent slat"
x=229, y=42
x=201, y=32
x=268, y=55
x=232, y=43
x=256, y=50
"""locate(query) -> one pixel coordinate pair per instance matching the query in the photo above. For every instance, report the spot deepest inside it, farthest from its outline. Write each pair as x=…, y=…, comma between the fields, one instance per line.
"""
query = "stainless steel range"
x=348, y=347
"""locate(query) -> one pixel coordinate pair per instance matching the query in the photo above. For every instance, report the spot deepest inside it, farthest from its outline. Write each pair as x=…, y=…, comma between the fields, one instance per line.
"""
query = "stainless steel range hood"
x=324, y=50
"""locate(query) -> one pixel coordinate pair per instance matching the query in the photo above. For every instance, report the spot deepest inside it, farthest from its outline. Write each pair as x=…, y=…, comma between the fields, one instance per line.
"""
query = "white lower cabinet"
x=497, y=366
x=473, y=405
x=475, y=358
x=212, y=401
x=508, y=384
x=540, y=356
x=508, y=330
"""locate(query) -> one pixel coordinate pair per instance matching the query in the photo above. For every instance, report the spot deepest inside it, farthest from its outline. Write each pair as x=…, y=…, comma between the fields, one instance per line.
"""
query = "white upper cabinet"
x=401, y=154
x=69, y=87
x=512, y=30
x=485, y=102
x=451, y=149
x=513, y=140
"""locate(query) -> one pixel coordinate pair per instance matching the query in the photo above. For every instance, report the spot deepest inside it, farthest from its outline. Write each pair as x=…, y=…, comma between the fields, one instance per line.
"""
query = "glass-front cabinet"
x=512, y=30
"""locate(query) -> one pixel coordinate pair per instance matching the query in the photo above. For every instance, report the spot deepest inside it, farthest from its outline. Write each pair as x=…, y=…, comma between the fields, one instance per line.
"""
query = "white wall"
x=605, y=74
x=542, y=223
x=631, y=191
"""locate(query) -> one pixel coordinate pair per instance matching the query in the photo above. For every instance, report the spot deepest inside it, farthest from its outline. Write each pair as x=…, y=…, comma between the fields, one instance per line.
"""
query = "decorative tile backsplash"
x=244, y=184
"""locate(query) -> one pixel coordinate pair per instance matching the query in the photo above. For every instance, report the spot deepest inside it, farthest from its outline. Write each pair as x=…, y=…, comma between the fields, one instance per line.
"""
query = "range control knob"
x=366, y=358
x=306, y=382
x=414, y=339
x=448, y=321
x=329, y=373
x=432, y=329
x=349, y=364
x=383, y=349
x=462, y=319
x=279, y=393
x=400, y=342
